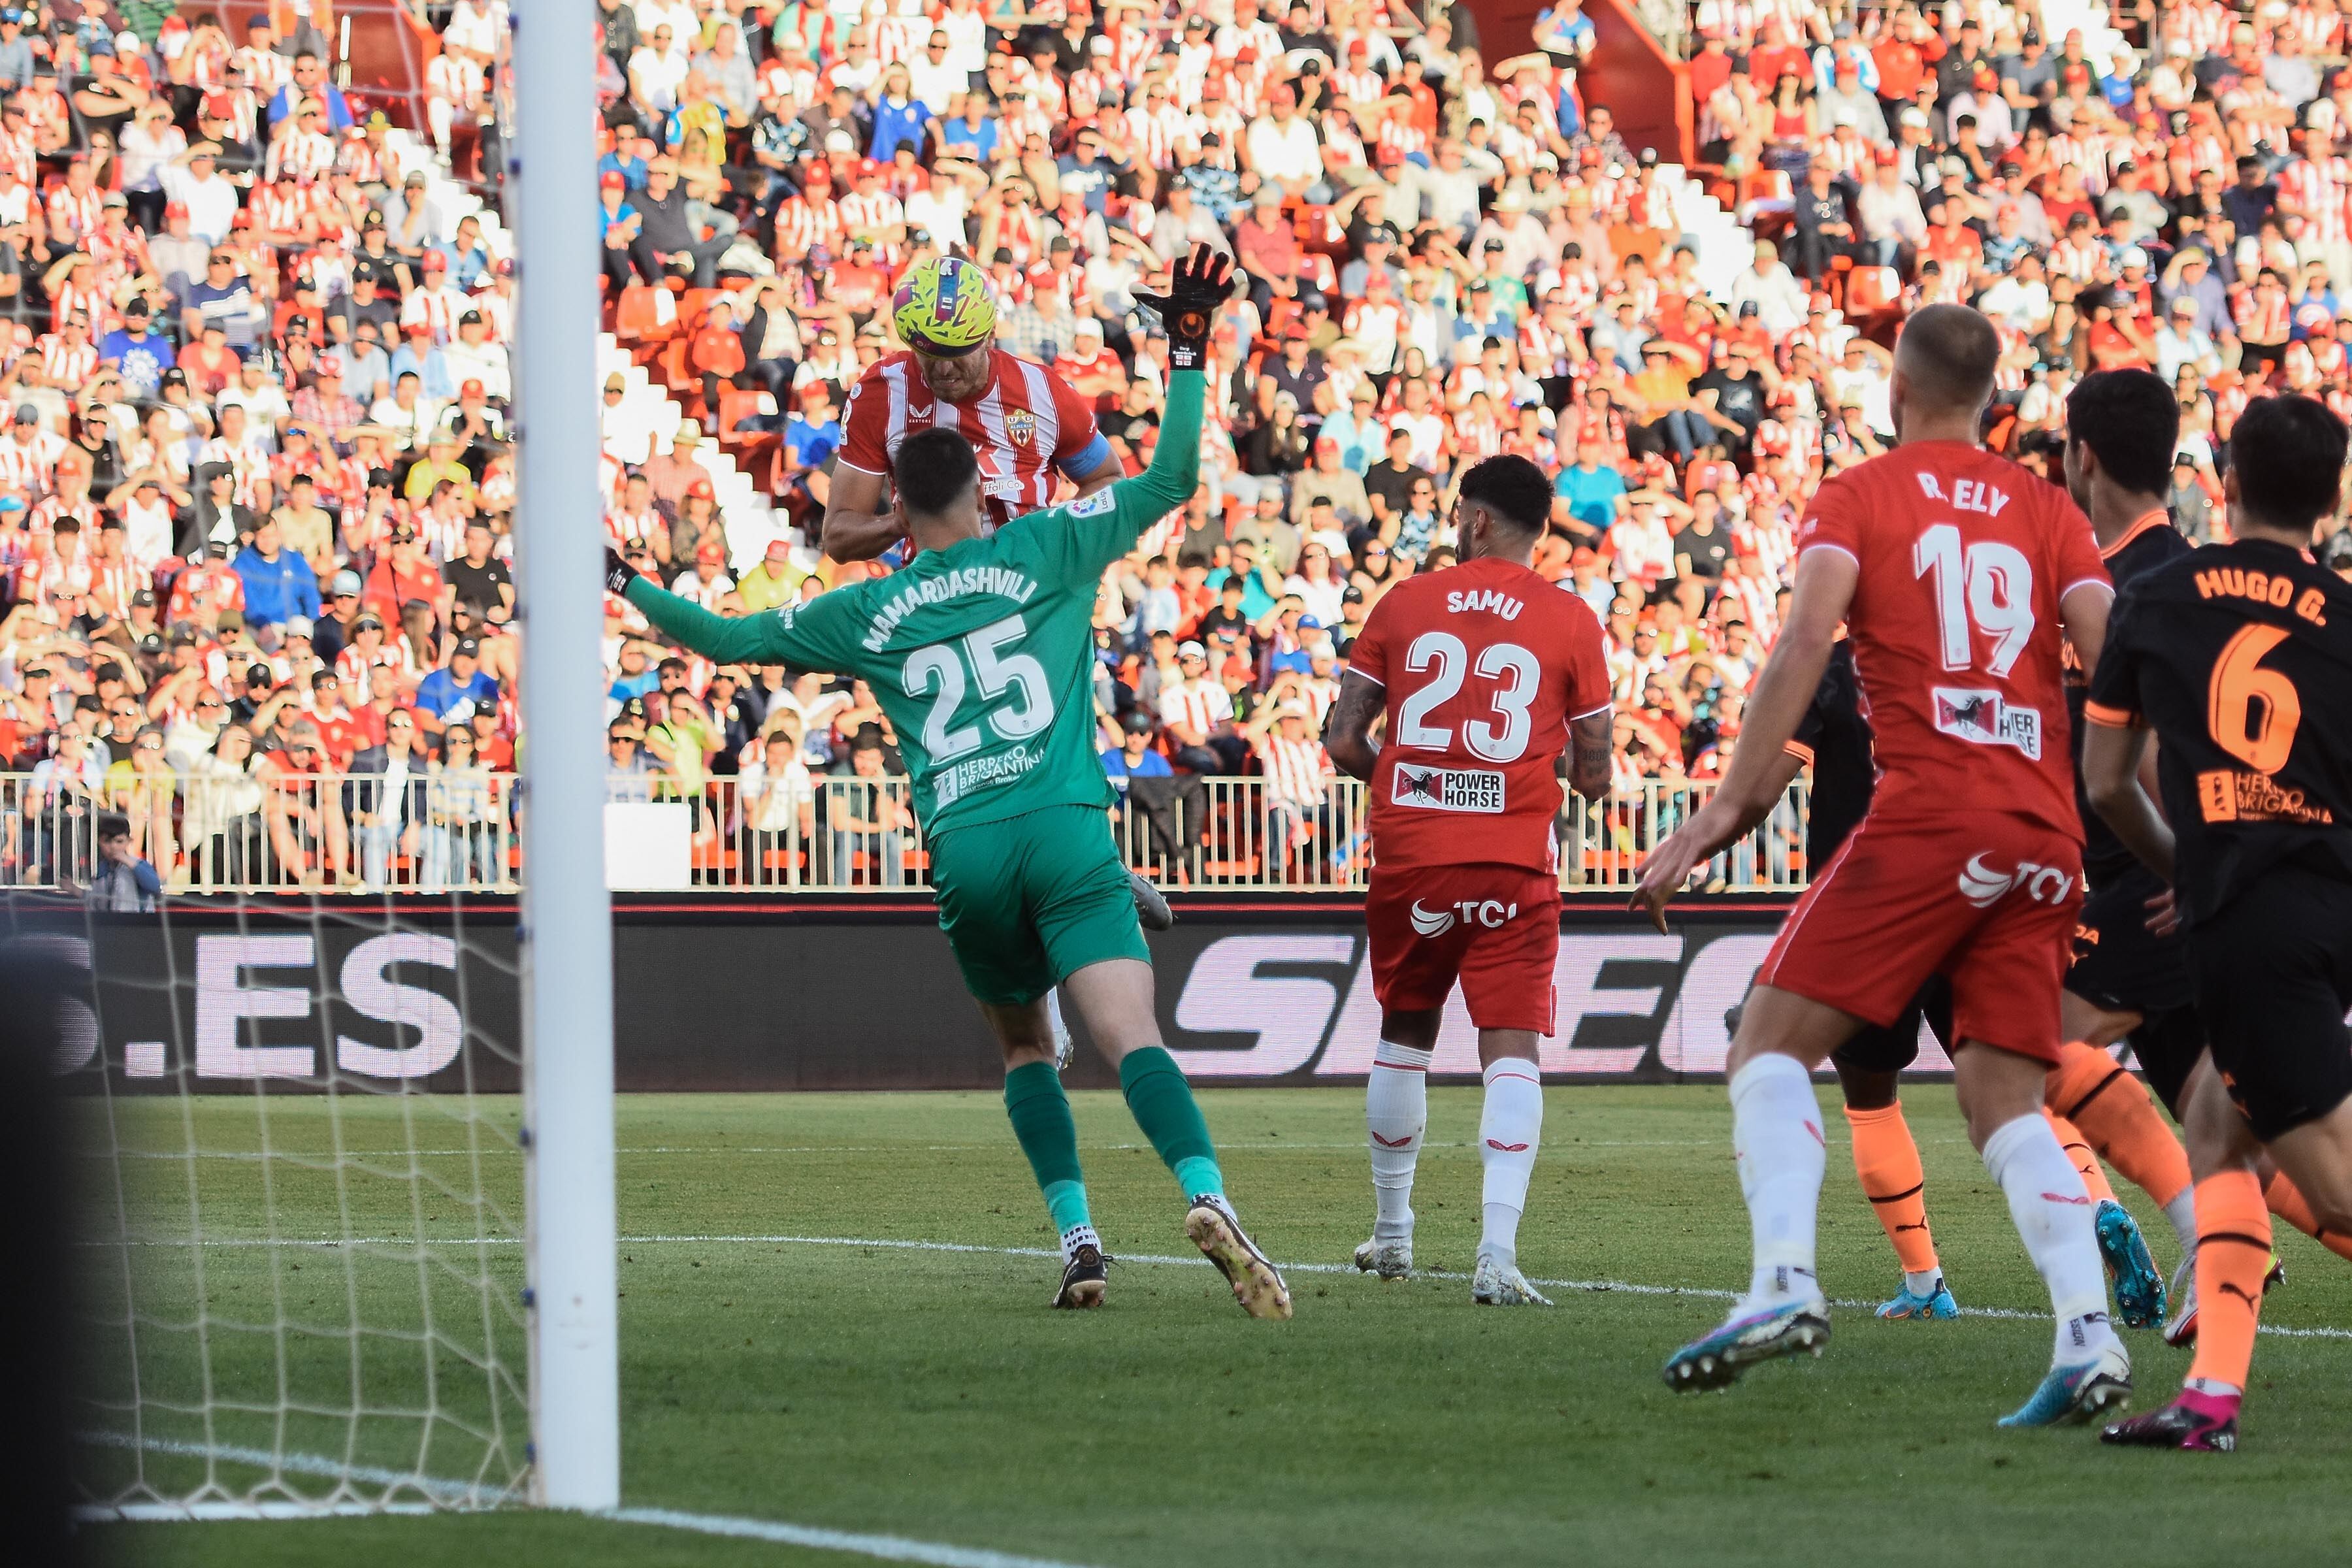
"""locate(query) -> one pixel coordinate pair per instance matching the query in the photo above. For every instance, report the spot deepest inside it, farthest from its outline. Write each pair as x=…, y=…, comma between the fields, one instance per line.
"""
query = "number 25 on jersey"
x=938, y=672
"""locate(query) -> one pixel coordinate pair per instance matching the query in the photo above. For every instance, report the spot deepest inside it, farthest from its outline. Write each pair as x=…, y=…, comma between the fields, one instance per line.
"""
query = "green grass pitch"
x=931, y=1394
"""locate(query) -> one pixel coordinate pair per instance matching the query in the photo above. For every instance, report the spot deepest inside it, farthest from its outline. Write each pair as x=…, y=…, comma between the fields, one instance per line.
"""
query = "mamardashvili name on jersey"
x=1002, y=580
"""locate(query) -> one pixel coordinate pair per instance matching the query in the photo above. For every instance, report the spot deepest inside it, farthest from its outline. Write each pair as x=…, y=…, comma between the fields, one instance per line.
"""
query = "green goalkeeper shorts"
x=1030, y=899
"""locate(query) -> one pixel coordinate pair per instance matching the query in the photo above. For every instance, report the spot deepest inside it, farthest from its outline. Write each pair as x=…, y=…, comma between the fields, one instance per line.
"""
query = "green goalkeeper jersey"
x=981, y=653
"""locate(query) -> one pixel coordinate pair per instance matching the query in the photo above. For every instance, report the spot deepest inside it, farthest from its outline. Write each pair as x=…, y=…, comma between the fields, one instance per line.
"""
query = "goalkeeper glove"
x=618, y=574
x=1199, y=283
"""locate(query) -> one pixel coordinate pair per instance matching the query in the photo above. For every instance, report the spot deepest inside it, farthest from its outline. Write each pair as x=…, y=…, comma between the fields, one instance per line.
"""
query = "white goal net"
x=301, y=1265
x=345, y=1159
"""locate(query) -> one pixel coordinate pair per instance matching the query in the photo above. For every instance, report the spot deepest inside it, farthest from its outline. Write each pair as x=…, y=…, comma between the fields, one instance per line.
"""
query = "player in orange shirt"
x=1959, y=577
x=1485, y=673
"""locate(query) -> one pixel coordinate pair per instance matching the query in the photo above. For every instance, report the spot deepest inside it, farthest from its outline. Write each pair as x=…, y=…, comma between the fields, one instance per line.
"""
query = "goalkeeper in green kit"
x=982, y=650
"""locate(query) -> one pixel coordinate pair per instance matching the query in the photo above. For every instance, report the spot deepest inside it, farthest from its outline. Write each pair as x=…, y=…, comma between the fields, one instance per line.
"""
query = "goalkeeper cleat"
x=1936, y=1304
x=1495, y=1283
x=1217, y=1232
x=2071, y=1395
x=2139, y=1289
x=1389, y=1260
x=2199, y=1423
x=1717, y=1360
x=2275, y=1275
x=1151, y=910
x=1086, y=1275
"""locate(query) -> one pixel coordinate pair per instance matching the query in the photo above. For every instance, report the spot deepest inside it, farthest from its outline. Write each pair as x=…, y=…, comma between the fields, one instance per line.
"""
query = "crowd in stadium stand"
x=255, y=492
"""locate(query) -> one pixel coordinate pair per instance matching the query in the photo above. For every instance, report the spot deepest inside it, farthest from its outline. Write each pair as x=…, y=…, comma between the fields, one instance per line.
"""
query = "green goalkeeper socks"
x=1040, y=1113
x=1162, y=1104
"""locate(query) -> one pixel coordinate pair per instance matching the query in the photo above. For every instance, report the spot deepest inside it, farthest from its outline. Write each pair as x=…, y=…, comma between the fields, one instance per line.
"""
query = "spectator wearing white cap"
x=1198, y=713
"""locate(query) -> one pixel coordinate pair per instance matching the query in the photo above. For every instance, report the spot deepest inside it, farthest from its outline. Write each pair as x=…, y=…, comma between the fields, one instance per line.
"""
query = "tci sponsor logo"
x=230, y=987
x=1306, y=998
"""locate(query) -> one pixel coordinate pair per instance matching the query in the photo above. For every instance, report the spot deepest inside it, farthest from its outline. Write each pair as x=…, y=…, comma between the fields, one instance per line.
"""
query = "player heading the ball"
x=981, y=653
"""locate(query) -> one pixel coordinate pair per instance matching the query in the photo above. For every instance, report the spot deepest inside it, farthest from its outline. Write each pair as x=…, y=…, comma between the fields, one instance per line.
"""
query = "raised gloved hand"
x=1199, y=284
x=618, y=574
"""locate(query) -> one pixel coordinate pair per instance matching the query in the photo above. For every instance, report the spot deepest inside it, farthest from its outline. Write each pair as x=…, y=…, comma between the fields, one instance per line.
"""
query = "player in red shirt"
x=1959, y=577
x=1485, y=673
x=1025, y=422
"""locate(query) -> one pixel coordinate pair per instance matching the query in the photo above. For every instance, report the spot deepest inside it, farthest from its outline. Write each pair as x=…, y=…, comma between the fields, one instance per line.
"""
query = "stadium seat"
x=646, y=315
x=1870, y=290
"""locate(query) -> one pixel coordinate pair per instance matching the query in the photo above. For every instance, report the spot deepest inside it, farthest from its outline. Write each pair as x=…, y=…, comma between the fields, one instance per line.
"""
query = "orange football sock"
x=2233, y=1253
x=1887, y=1160
x=2078, y=1149
x=2287, y=1204
x=2119, y=1120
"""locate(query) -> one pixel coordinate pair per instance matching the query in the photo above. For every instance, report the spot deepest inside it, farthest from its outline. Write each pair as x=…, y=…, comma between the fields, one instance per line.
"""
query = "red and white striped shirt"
x=69, y=365
x=803, y=223
x=628, y=527
x=43, y=518
x=72, y=215
x=437, y=307
x=871, y=215
x=47, y=573
x=2317, y=188
x=2265, y=316
x=1027, y=427
x=1155, y=135
x=279, y=211
x=30, y=466
x=1199, y=705
x=1297, y=771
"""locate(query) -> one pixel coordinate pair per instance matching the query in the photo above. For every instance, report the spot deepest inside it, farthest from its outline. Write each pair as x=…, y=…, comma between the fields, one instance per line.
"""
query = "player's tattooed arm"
x=1590, y=739
x=1347, y=731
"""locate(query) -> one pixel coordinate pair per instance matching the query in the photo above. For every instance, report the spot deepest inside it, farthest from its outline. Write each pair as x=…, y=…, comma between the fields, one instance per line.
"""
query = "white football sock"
x=1080, y=1235
x=1924, y=1285
x=2182, y=1212
x=1396, y=1108
x=2053, y=1215
x=1509, y=1132
x=1775, y=1136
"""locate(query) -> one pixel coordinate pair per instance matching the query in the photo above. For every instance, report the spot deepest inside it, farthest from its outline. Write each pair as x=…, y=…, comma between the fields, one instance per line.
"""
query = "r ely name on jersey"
x=1449, y=789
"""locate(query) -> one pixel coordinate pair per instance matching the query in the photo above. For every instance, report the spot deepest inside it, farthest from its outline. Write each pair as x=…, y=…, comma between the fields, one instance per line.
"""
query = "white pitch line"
x=319, y=1156
x=450, y=1493
x=407, y=1245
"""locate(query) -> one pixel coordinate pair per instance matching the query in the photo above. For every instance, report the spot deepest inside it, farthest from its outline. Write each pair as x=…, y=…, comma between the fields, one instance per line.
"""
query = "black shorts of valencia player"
x=2239, y=659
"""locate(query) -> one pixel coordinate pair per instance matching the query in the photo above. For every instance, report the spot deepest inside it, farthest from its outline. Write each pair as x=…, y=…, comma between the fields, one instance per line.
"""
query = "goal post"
x=571, y=1266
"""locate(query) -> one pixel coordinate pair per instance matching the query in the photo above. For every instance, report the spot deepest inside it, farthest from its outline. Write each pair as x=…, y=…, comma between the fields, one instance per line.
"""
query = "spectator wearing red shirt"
x=401, y=576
